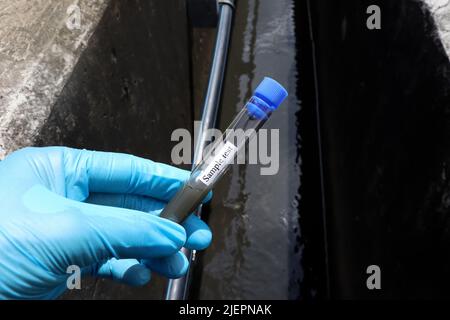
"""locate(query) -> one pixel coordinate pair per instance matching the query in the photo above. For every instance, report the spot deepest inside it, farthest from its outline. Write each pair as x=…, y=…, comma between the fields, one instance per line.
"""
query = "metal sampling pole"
x=178, y=289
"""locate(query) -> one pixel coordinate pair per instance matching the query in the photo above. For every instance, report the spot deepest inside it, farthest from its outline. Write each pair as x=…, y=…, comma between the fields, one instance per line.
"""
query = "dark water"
x=256, y=251
x=385, y=119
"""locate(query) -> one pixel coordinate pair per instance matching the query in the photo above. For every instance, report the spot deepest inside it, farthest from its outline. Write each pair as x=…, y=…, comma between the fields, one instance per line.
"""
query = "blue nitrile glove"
x=61, y=207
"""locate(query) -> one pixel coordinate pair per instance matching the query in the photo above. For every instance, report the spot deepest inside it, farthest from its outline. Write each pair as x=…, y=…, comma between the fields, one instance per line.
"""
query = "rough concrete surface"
x=440, y=10
x=39, y=46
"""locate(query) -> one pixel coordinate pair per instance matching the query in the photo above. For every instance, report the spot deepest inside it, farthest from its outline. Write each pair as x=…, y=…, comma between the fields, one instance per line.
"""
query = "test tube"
x=266, y=98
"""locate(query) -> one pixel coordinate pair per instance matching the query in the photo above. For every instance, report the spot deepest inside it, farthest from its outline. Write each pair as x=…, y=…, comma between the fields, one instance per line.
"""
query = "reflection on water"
x=256, y=252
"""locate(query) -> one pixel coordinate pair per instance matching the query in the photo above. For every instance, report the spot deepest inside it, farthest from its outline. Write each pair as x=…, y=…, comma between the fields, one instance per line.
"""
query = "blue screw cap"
x=271, y=92
x=267, y=98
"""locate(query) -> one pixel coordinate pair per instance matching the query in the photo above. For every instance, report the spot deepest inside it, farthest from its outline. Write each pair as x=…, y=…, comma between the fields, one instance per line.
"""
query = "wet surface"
x=384, y=104
x=256, y=251
x=378, y=103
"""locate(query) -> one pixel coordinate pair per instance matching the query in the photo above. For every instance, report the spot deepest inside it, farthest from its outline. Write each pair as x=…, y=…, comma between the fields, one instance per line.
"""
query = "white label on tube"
x=224, y=156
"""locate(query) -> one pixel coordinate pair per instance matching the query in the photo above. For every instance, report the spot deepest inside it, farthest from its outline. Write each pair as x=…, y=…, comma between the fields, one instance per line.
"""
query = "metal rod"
x=178, y=289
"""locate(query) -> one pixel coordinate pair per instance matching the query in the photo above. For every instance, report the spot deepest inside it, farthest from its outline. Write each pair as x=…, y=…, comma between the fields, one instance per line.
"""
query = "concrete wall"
x=38, y=50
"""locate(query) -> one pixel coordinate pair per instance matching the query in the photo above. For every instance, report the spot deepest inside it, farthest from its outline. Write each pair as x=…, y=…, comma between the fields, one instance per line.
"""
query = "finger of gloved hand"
x=127, y=201
x=198, y=233
x=108, y=172
x=127, y=234
x=89, y=233
x=127, y=271
x=174, y=266
x=130, y=201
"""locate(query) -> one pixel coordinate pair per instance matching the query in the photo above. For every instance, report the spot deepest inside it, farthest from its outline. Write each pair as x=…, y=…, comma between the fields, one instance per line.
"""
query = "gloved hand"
x=99, y=211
